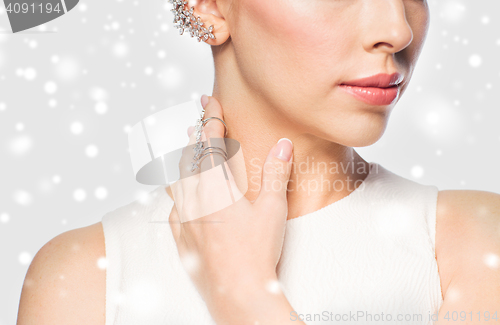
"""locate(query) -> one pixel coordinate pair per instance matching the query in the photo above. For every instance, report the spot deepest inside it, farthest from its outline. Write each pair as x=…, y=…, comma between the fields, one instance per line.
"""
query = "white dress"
x=368, y=258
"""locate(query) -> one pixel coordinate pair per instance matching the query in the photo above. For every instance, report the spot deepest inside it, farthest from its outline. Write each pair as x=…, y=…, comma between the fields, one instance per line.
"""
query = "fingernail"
x=283, y=149
x=204, y=100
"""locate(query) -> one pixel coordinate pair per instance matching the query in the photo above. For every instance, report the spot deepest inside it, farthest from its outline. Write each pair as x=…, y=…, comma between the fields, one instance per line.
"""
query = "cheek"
x=420, y=26
x=298, y=39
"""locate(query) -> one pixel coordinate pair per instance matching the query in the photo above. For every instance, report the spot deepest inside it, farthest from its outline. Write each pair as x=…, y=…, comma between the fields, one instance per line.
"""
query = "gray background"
x=70, y=90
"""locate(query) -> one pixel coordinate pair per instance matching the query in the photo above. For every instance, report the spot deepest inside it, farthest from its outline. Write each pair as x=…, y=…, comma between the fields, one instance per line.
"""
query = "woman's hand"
x=232, y=254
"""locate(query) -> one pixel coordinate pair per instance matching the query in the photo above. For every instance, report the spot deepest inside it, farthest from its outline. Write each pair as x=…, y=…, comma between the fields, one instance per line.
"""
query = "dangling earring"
x=185, y=20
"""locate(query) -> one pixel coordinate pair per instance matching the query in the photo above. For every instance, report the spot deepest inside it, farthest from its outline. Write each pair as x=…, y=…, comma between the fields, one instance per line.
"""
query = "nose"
x=387, y=29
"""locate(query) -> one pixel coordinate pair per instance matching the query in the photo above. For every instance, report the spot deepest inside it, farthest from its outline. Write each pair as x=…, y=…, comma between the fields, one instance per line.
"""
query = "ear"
x=211, y=14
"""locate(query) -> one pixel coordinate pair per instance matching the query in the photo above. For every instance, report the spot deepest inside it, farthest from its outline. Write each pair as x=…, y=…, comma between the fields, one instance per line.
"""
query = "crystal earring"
x=185, y=20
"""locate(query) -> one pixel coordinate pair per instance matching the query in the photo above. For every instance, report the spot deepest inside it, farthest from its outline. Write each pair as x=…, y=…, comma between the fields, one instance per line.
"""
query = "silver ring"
x=217, y=148
x=210, y=153
x=213, y=117
x=198, y=161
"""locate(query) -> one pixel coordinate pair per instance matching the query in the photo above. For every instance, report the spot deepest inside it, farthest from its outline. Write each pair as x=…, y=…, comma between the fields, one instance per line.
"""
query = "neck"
x=323, y=172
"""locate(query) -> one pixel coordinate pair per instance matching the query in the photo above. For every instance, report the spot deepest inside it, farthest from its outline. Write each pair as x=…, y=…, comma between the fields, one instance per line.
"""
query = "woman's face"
x=299, y=53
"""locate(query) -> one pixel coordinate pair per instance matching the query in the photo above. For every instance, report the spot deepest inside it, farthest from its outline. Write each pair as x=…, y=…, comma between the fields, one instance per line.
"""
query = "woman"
x=325, y=74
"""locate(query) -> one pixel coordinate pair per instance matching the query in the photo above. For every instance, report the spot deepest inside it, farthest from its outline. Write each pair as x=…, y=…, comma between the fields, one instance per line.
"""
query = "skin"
x=277, y=76
x=304, y=103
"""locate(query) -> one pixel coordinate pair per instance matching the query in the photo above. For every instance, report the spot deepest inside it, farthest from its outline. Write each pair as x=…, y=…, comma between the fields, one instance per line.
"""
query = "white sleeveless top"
x=370, y=254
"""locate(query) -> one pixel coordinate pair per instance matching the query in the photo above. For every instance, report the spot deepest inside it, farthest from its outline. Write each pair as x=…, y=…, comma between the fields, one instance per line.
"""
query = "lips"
x=379, y=90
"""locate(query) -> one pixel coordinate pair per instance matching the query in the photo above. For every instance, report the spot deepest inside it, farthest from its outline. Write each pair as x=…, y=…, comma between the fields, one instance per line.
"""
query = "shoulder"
x=66, y=281
x=468, y=240
x=472, y=213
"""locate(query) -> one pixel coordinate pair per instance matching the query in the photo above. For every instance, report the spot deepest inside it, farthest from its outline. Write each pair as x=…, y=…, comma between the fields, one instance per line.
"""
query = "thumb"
x=276, y=172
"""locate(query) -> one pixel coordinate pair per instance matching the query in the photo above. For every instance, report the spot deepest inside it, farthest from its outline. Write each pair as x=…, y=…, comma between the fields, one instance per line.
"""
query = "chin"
x=364, y=134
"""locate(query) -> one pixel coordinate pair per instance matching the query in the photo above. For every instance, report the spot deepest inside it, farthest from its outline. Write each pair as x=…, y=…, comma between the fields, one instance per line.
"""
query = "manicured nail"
x=204, y=100
x=283, y=149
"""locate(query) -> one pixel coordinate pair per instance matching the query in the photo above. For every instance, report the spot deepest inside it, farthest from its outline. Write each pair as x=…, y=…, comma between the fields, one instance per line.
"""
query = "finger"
x=188, y=178
x=175, y=224
x=187, y=155
x=213, y=128
x=177, y=232
x=214, y=192
x=237, y=194
x=213, y=131
x=276, y=173
x=217, y=190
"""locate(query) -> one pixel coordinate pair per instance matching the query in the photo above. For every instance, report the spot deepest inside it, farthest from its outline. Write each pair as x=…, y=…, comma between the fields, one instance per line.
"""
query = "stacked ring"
x=221, y=152
x=217, y=148
x=210, y=153
x=199, y=144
